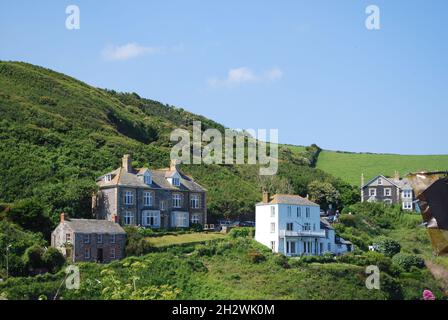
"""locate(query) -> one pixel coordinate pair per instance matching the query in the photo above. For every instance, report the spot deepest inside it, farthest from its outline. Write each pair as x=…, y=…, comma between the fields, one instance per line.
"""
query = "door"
x=99, y=255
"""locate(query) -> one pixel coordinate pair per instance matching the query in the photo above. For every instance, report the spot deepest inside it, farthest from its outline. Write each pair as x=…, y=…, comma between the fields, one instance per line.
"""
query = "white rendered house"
x=291, y=225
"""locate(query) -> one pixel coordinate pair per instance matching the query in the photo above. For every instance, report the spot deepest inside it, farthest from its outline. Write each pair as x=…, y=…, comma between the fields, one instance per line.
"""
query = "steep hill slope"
x=57, y=134
x=350, y=166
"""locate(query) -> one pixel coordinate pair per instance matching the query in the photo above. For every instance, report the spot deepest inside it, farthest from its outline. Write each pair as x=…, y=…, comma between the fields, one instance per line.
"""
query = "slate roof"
x=93, y=226
x=324, y=224
x=401, y=183
x=290, y=199
x=159, y=180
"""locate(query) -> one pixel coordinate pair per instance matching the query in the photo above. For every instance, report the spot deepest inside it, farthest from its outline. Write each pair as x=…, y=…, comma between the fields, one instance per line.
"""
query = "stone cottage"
x=89, y=240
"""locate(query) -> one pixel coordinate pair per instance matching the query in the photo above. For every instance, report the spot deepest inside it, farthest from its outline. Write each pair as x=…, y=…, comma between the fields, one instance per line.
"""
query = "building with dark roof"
x=89, y=240
x=161, y=198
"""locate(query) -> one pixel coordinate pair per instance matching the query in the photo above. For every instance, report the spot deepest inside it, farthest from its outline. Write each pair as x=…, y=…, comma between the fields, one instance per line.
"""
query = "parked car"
x=247, y=224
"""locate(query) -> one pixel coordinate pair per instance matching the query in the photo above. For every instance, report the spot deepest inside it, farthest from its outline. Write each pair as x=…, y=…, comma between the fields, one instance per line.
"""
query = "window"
x=308, y=212
x=129, y=198
x=407, y=205
x=372, y=192
x=68, y=237
x=194, y=201
x=380, y=181
x=307, y=226
x=290, y=247
x=407, y=194
x=128, y=217
x=162, y=205
x=87, y=253
x=176, y=200
x=195, y=219
x=99, y=238
x=272, y=227
x=307, y=246
x=273, y=245
x=299, y=212
x=112, y=238
x=147, y=178
x=150, y=218
x=314, y=227
x=272, y=211
x=112, y=253
x=87, y=238
x=176, y=182
x=147, y=198
x=180, y=219
x=329, y=246
x=321, y=247
x=387, y=192
x=289, y=226
x=289, y=211
x=108, y=178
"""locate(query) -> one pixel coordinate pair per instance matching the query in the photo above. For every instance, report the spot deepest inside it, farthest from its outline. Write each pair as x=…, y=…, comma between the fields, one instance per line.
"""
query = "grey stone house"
x=388, y=190
x=89, y=240
x=162, y=198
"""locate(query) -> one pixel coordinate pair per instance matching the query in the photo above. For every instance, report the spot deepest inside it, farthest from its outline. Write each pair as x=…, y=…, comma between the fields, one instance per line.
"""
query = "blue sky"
x=309, y=68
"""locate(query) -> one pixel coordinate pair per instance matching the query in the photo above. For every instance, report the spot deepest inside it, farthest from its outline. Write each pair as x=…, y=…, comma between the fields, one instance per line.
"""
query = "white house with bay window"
x=291, y=225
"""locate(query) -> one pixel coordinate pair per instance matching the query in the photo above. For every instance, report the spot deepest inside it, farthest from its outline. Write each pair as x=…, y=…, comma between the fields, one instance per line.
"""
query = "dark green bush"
x=242, y=232
x=255, y=256
x=387, y=246
x=53, y=259
x=406, y=261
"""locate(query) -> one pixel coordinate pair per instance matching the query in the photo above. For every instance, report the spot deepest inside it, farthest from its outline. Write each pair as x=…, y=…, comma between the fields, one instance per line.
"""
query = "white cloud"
x=127, y=51
x=245, y=75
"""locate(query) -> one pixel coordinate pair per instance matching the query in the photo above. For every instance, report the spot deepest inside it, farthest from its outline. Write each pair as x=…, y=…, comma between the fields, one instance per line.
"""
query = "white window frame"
x=176, y=181
x=129, y=198
x=147, y=179
x=128, y=218
x=194, y=201
x=147, y=198
x=112, y=253
x=108, y=178
x=407, y=205
x=273, y=246
x=407, y=194
x=372, y=194
x=86, y=238
x=380, y=181
x=299, y=212
x=177, y=200
x=180, y=219
x=148, y=216
x=290, y=245
x=112, y=238
x=272, y=227
x=68, y=238
x=289, y=226
x=307, y=226
x=388, y=192
x=99, y=238
x=195, y=219
x=307, y=212
x=272, y=211
x=162, y=205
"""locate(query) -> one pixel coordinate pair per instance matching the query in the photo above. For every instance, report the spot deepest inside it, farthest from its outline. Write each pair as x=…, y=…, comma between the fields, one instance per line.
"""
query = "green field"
x=169, y=240
x=350, y=166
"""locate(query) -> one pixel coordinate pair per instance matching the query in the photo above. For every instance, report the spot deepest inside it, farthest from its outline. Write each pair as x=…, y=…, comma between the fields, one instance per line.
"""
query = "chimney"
x=397, y=175
x=362, y=180
x=62, y=217
x=174, y=165
x=115, y=218
x=127, y=163
x=266, y=196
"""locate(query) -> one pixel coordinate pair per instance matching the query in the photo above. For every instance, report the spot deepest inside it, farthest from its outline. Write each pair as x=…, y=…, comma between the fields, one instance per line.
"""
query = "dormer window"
x=176, y=182
x=380, y=181
x=147, y=179
x=108, y=178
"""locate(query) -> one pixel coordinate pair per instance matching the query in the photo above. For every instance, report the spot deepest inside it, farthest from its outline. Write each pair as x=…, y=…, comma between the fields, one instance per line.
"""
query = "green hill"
x=57, y=134
x=350, y=166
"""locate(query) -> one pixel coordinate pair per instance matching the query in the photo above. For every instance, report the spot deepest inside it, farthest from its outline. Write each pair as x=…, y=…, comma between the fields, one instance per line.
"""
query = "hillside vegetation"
x=350, y=166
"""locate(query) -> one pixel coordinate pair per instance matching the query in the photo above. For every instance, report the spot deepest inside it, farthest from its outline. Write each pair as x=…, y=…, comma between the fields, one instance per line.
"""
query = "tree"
x=32, y=258
x=30, y=214
x=53, y=259
x=323, y=193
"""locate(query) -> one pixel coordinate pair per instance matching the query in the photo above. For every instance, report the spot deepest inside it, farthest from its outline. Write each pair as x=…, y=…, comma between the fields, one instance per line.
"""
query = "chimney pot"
x=62, y=217
x=115, y=218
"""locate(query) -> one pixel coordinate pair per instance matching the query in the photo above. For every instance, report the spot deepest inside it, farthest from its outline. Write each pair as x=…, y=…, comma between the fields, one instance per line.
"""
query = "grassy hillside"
x=350, y=166
x=57, y=134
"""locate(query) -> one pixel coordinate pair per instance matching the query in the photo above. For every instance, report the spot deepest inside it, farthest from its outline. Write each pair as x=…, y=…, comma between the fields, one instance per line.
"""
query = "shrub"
x=47, y=101
x=205, y=250
x=406, y=261
x=32, y=258
x=387, y=246
x=255, y=256
x=242, y=232
x=281, y=260
x=348, y=220
x=53, y=259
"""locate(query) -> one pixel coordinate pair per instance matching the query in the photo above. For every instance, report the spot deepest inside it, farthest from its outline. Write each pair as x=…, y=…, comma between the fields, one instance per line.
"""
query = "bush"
x=281, y=261
x=387, y=246
x=348, y=220
x=53, y=259
x=255, y=256
x=242, y=232
x=32, y=258
x=406, y=261
x=205, y=250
